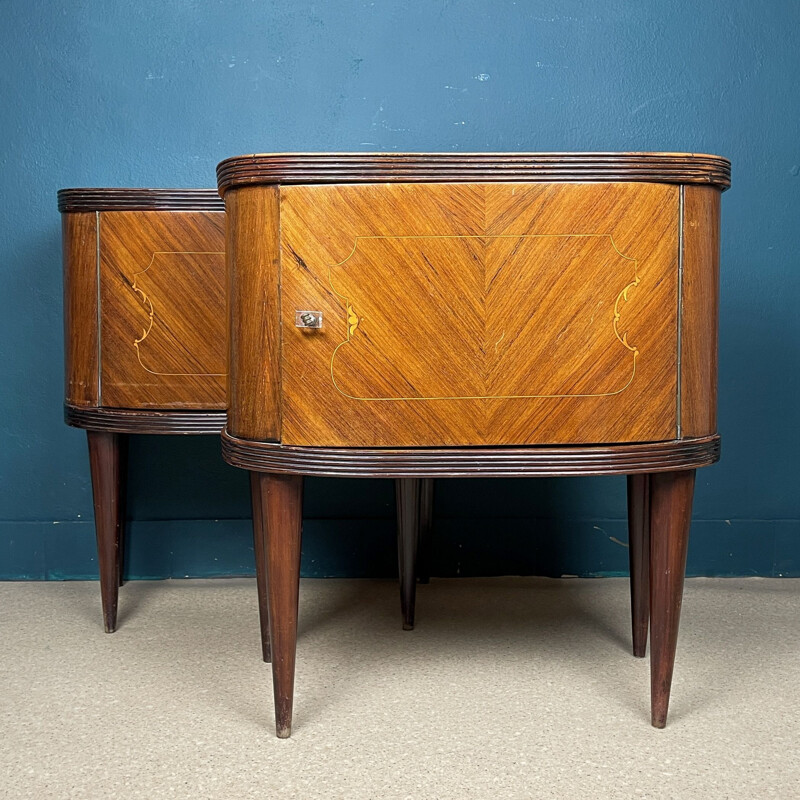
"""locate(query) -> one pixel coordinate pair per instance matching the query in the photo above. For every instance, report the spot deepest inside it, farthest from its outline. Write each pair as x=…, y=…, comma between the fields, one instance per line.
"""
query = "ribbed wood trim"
x=117, y=199
x=471, y=462
x=128, y=420
x=304, y=168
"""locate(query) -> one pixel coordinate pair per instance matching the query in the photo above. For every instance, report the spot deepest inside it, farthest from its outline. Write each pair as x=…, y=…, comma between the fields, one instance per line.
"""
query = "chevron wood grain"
x=469, y=314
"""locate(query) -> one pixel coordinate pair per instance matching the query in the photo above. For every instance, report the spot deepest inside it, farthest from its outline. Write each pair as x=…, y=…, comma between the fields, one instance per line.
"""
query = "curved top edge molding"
x=124, y=199
x=309, y=168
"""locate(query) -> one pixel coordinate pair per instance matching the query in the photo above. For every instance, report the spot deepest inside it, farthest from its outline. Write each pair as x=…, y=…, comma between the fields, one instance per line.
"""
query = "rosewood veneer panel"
x=81, y=362
x=464, y=314
x=701, y=221
x=162, y=328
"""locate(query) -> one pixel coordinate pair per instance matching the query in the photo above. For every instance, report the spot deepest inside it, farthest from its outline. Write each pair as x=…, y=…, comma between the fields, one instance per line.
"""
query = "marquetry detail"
x=470, y=314
x=158, y=324
x=162, y=299
x=376, y=255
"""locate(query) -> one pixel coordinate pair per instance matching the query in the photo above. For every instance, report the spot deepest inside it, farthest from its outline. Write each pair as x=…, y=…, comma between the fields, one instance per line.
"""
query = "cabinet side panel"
x=253, y=259
x=79, y=242
x=701, y=214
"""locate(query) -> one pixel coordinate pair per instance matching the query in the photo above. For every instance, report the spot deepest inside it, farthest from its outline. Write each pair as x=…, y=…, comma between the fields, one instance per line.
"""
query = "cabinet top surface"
x=313, y=168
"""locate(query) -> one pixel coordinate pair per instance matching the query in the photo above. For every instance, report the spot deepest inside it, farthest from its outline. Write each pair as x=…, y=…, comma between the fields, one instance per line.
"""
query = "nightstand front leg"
x=261, y=564
x=670, y=517
x=106, y=463
x=639, y=555
x=408, y=519
x=281, y=502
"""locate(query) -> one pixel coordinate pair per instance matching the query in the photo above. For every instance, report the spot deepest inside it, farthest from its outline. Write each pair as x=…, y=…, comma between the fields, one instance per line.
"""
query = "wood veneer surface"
x=474, y=314
x=700, y=318
x=253, y=259
x=163, y=337
x=81, y=362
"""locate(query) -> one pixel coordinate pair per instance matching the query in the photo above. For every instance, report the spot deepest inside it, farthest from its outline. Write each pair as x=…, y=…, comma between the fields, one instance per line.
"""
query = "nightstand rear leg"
x=261, y=564
x=105, y=463
x=425, y=539
x=281, y=500
x=639, y=555
x=670, y=517
x=123, y=439
x=408, y=524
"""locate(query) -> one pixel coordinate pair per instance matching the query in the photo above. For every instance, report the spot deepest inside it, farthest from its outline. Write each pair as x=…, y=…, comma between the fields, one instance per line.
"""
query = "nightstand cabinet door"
x=162, y=309
x=474, y=314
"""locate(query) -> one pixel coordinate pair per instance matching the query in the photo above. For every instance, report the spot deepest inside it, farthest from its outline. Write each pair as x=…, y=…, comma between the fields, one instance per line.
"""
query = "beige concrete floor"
x=508, y=688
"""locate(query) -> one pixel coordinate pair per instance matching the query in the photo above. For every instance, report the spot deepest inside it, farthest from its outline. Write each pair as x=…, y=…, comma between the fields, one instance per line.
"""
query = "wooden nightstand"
x=144, y=334
x=446, y=315
x=145, y=340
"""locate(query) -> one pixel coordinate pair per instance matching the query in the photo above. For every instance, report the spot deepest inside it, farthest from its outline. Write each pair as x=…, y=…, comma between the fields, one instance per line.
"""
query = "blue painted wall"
x=155, y=93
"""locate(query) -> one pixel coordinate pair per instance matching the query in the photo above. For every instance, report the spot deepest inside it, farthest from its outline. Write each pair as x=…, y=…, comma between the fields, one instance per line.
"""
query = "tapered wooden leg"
x=425, y=540
x=670, y=517
x=281, y=504
x=639, y=554
x=408, y=519
x=261, y=564
x=105, y=463
x=122, y=438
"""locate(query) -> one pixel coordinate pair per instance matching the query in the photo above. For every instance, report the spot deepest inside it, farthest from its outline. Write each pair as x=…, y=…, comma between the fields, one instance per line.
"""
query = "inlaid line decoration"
x=353, y=320
x=148, y=303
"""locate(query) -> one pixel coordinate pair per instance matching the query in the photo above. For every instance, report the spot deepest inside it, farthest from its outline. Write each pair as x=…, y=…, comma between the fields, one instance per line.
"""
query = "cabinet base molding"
x=471, y=462
x=130, y=420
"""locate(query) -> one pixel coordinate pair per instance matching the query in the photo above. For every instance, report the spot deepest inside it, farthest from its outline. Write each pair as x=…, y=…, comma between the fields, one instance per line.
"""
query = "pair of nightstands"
x=413, y=317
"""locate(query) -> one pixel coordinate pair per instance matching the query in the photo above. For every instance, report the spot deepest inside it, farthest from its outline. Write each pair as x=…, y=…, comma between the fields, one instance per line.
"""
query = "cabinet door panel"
x=480, y=313
x=162, y=309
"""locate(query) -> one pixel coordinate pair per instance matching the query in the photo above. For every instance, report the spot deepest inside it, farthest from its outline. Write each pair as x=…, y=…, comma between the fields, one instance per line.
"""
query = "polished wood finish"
x=470, y=462
x=131, y=420
x=261, y=564
x=425, y=538
x=281, y=504
x=484, y=314
x=253, y=258
x=158, y=251
x=408, y=522
x=639, y=557
x=125, y=199
x=107, y=470
x=670, y=516
x=162, y=296
x=144, y=284
x=144, y=294
x=317, y=168
x=81, y=360
x=701, y=220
